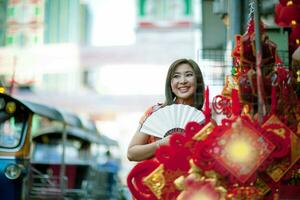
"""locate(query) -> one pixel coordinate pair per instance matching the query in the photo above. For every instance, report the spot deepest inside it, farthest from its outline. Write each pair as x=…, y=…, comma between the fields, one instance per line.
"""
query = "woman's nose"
x=182, y=79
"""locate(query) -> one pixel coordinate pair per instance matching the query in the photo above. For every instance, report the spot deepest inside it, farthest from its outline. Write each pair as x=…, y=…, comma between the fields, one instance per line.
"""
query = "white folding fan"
x=172, y=118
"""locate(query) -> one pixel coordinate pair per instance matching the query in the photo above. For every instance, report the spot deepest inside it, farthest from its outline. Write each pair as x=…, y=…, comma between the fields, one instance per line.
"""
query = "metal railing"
x=44, y=186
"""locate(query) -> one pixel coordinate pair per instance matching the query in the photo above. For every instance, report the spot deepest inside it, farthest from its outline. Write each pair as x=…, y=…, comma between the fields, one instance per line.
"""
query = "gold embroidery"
x=261, y=186
x=156, y=181
x=278, y=131
x=196, y=175
x=204, y=132
x=295, y=150
x=179, y=183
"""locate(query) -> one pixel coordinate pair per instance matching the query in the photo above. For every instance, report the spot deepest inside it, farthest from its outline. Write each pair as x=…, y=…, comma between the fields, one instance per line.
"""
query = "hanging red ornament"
x=245, y=53
x=136, y=176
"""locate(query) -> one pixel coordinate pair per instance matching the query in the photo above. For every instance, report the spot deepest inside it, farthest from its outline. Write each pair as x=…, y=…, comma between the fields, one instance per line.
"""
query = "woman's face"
x=183, y=83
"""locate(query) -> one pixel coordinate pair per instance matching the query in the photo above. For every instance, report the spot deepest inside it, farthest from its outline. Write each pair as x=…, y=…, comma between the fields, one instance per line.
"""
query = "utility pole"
x=235, y=8
x=260, y=87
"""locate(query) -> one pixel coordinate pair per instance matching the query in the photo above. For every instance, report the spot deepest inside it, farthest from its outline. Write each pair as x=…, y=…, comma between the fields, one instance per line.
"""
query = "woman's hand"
x=139, y=149
x=163, y=141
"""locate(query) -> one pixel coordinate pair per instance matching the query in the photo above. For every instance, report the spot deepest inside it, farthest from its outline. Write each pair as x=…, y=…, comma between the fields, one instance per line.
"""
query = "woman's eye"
x=176, y=76
x=189, y=75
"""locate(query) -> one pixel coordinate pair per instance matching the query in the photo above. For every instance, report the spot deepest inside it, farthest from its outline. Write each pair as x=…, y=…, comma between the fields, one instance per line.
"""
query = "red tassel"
x=236, y=105
x=207, y=110
x=273, y=100
x=207, y=98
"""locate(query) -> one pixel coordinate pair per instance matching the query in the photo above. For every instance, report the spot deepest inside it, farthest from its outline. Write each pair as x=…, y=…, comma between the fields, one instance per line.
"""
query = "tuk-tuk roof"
x=80, y=127
x=79, y=133
x=54, y=113
x=82, y=134
x=107, y=141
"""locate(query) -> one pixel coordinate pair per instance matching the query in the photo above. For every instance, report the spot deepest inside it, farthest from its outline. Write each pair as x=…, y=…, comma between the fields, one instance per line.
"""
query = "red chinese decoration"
x=239, y=158
x=287, y=14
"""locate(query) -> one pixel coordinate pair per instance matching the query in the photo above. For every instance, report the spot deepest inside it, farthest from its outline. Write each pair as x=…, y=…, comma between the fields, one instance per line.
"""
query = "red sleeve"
x=148, y=112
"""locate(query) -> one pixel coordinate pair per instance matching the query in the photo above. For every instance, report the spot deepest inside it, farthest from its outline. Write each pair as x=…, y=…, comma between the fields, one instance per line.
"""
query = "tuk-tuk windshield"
x=12, y=124
x=52, y=152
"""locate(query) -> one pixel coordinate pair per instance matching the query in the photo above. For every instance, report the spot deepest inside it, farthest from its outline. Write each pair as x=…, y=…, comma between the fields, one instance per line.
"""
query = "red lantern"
x=278, y=9
x=289, y=2
x=289, y=15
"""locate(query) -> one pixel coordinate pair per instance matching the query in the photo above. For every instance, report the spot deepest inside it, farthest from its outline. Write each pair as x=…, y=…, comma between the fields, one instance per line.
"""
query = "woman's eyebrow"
x=183, y=72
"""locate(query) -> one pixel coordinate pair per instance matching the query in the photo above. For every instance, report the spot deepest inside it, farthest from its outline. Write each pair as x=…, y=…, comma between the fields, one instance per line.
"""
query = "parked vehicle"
x=46, y=153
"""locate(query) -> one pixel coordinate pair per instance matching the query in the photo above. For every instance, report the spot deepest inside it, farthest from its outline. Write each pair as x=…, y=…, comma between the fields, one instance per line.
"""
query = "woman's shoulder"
x=154, y=108
x=157, y=106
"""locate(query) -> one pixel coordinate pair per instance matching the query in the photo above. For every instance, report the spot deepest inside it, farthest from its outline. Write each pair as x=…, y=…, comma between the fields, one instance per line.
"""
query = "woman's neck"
x=189, y=102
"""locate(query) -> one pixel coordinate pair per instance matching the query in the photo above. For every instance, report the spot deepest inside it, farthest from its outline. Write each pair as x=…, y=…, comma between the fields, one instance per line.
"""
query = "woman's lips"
x=183, y=89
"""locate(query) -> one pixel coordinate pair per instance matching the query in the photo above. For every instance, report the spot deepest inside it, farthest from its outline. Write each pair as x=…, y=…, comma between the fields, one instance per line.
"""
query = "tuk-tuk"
x=45, y=153
x=15, y=118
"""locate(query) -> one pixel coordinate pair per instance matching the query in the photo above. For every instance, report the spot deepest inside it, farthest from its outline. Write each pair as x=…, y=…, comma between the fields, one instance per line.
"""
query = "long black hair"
x=199, y=83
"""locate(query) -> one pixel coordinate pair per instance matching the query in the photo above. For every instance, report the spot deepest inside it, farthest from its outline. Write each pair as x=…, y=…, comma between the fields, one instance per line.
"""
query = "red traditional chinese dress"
x=148, y=112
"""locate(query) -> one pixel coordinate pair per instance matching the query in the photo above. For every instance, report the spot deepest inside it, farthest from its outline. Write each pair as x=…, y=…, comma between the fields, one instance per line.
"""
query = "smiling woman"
x=185, y=74
x=184, y=85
